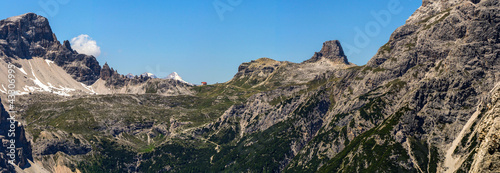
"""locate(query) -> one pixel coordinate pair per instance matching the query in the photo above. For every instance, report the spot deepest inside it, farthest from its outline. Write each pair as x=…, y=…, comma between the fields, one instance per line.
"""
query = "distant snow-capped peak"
x=176, y=76
x=151, y=75
x=130, y=75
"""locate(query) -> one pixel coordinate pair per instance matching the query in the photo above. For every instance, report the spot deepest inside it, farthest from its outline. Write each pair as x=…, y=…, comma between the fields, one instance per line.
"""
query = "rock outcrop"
x=113, y=82
x=265, y=72
x=487, y=157
x=29, y=35
x=332, y=50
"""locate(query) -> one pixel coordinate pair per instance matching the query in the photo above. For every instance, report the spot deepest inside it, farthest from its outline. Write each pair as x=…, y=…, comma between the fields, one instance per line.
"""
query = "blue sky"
x=207, y=40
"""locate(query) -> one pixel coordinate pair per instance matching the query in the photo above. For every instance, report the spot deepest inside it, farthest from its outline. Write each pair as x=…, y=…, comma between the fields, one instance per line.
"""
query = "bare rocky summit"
x=332, y=50
x=29, y=35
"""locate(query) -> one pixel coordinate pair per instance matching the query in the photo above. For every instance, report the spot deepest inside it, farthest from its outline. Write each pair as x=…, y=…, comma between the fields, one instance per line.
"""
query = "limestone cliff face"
x=29, y=35
x=416, y=96
x=487, y=157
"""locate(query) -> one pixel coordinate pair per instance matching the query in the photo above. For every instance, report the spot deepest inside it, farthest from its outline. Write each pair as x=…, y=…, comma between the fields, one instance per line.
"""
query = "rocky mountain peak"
x=149, y=75
x=332, y=50
x=30, y=35
x=431, y=8
x=26, y=36
x=30, y=26
x=29, y=20
x=67, y=45
x=130, y=76
x=106, y=72
x=23, y=16
x=177, y=77
x=173, y=75
x=427, y=2
x=268, y=65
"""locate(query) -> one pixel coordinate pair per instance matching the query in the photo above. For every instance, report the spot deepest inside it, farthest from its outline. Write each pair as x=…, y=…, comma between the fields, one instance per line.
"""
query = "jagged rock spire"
x=106, y=71
x=332, y=50
x=67, y=45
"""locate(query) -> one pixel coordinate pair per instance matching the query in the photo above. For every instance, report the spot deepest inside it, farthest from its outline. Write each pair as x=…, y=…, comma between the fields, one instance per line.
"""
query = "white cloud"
x=85, y=45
